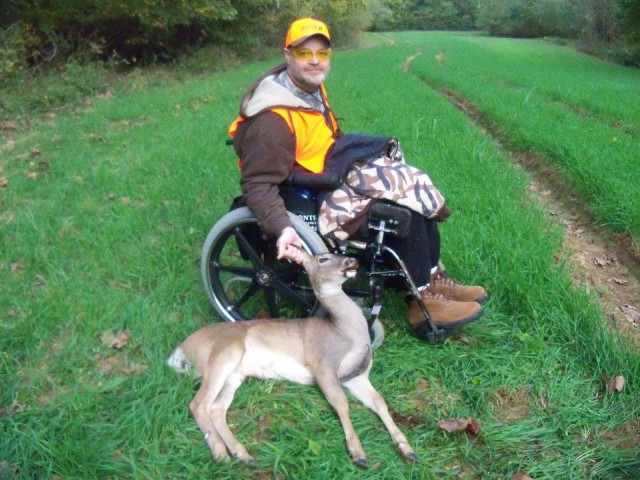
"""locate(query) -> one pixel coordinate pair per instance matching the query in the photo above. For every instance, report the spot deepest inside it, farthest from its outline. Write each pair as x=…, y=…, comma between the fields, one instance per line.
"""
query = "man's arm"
x=266, y=147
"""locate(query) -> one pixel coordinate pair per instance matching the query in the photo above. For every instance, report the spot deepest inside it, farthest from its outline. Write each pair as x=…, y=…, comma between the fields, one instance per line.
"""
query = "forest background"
x=64, y=36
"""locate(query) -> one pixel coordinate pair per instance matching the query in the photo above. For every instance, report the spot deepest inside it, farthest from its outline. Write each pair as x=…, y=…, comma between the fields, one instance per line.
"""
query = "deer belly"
x=263, y=363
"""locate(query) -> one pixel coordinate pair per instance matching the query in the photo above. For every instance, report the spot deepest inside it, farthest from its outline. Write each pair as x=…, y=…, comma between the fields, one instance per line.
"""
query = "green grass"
x=106, y=237
x=578, y=114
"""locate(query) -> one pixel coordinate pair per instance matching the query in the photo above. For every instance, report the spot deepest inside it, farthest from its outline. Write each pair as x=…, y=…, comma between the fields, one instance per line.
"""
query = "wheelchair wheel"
x=244, y=280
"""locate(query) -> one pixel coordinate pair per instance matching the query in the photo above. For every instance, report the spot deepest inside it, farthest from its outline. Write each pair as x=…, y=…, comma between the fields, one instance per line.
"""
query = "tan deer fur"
x=332, y=352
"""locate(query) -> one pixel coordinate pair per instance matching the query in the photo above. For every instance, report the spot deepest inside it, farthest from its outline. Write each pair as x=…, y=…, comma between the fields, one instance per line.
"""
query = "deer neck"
x=342, y=309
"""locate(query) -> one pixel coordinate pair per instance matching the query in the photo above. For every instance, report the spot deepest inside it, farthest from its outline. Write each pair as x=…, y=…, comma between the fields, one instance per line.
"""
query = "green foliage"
x=524, y=18
x=102, y=218
x=423, y=15
x=631, y=30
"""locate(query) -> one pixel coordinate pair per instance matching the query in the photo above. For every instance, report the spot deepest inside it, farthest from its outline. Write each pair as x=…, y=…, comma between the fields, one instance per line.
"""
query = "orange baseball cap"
x=304, y=28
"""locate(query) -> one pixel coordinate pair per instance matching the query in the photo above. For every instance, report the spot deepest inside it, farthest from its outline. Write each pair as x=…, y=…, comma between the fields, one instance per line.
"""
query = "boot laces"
x=428, y=294
x=444, y=279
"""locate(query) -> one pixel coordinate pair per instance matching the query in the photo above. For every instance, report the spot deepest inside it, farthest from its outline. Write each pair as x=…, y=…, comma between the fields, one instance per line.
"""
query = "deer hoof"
x=412, y=457
x=244, y=457
x=362, y=463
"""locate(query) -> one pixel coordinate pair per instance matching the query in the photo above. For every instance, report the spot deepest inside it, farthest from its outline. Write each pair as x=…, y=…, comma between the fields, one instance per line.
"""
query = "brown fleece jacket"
x=267, y=149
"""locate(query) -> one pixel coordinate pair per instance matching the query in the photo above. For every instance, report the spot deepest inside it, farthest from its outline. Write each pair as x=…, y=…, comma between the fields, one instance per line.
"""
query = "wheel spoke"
x=251, y=291
x=272, y=302
x=217, y=267
x=247, y=248
x=294, y=295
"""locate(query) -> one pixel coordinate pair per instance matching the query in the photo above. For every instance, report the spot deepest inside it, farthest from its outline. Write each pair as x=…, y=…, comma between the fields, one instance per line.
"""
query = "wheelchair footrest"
x=426, y=334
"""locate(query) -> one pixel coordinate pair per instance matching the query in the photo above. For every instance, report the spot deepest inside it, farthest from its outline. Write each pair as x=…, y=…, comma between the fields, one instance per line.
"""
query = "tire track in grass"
x=605, y=264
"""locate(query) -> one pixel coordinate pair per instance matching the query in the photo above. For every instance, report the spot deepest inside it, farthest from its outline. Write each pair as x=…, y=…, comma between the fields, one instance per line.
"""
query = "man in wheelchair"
x=286, y=125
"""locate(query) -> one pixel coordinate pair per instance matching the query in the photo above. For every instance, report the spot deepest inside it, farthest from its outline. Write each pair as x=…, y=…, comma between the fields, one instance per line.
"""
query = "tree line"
x=49, y=33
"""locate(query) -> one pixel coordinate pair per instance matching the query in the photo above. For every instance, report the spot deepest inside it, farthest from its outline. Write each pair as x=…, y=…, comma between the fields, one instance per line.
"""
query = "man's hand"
x=289, y=244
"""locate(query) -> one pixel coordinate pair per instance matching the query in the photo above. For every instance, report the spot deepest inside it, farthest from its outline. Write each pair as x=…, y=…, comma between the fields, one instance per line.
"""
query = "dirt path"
x=605, y=265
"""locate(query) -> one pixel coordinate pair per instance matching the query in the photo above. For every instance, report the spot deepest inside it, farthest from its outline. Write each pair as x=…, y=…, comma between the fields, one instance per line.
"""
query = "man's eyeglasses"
x=306, y=55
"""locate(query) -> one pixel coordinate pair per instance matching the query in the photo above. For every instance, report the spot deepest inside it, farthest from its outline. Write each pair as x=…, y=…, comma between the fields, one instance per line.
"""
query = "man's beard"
x=314, y=78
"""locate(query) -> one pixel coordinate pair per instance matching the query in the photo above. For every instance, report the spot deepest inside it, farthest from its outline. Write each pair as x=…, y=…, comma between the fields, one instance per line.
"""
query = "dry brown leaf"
x=32, y=175
x=17, y=267
x=4, y=182
x=107, y=364
x=618, y=383
x=118, y=340
x=454, y=425
x=544, y=402
x=630, y=313
x=8, y=469
x=603, y=261
x=613, y=384
x=8, y=125
x=473, y=427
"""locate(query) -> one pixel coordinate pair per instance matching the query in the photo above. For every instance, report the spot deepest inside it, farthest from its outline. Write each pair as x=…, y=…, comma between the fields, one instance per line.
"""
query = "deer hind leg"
x=205, y=422
x=330, y=387
x=209, y=406
x=219, y=417
x=362, y=389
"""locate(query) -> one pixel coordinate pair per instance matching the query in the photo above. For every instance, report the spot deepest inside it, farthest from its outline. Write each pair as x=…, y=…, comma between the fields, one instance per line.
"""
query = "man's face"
x=309, y=72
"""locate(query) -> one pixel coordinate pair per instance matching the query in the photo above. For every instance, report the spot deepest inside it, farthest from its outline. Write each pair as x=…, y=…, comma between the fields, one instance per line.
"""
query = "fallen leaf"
x=117, y=341
x=17, y=267
x=473, y=427
x=613, y=384
x=603, y=261
x=631, y=313
x=8, y=469
x=35, y=152
x=315, y=447
x=32, y=175
x=618, y=383
x=460, y=425
x=4, y=182
x=454, y=425
x=408, y=420
x=619, y=281
x=544, y=402
x=8, y=125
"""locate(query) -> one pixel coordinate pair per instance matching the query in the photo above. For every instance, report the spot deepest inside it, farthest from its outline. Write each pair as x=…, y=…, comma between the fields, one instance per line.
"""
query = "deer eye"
x=323, y=260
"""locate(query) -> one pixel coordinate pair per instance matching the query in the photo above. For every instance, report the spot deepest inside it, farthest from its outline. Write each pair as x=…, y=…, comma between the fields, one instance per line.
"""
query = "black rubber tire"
x=244, y=280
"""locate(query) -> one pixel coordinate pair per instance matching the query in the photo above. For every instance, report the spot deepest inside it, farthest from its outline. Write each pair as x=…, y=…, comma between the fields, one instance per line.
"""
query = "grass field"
x=103, y=211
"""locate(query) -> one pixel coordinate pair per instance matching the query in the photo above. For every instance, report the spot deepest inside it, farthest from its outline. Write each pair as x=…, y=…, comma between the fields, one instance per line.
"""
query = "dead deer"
x=332, y=352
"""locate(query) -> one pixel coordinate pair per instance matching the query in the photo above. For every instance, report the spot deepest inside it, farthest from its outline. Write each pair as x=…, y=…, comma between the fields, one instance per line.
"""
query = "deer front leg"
x=362, y=389
x=330, y=387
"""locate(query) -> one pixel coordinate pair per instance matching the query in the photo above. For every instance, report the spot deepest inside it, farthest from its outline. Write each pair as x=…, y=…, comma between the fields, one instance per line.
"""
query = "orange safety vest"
x=313, y=136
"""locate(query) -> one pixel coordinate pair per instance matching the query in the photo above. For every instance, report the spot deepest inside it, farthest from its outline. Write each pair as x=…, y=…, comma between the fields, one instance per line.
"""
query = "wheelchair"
x=244, y=280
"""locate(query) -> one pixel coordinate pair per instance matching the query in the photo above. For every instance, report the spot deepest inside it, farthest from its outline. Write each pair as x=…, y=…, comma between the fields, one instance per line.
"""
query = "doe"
x=331, y=352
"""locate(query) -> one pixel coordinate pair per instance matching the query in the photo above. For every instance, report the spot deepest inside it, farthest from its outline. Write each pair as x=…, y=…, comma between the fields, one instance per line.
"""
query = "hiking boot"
x=445, y=313
x=447, y=286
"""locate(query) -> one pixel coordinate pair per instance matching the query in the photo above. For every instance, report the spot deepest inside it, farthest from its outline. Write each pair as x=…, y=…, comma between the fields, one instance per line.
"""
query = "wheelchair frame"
x=244, y=280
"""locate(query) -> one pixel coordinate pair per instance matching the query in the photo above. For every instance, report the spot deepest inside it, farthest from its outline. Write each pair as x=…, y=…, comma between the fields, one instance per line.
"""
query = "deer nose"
x=351, y=262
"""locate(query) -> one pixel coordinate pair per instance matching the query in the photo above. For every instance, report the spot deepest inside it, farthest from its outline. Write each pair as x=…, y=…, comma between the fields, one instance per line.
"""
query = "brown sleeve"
x=266, y=147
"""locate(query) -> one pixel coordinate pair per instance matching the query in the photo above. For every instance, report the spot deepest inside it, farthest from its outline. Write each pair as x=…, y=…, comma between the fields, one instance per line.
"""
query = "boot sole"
x=461, y=322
